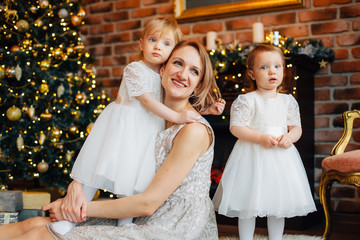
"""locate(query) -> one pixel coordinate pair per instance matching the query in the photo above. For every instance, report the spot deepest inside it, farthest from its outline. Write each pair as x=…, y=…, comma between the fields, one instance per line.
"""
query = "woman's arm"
x=191, y=142
x=249, y=135
x=159, y=109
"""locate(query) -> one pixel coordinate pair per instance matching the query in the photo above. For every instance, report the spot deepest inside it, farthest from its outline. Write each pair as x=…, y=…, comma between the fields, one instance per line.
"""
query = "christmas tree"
x=48, y=94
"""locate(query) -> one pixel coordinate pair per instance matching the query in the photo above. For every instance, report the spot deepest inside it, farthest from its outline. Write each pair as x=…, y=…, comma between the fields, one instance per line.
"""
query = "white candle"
x=258, y=32
x=210, y=40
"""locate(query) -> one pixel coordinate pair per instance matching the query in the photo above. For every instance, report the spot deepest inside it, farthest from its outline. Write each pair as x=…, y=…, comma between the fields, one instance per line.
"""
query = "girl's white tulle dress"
x=258, y=181
x=119, y=153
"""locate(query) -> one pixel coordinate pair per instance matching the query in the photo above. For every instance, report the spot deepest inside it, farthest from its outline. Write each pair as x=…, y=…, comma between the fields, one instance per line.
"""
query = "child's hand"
x=268, y=141
x=217, y=107
x=285, y=141
x=186, y=116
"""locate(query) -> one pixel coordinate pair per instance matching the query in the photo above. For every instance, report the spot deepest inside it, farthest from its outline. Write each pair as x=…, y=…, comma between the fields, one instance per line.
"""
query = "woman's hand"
x=74, y=204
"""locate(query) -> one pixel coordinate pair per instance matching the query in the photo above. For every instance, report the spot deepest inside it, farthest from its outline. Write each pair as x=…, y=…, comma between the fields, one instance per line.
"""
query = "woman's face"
x=181, y=75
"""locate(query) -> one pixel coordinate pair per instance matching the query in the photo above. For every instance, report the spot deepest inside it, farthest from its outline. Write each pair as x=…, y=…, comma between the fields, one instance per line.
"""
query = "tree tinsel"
x=48, y=94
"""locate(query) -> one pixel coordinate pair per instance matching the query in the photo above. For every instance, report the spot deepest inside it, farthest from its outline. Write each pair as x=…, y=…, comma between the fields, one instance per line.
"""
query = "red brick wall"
x=112, y=33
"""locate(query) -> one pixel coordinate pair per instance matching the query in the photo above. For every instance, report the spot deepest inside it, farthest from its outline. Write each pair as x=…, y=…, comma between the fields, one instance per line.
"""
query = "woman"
x=176, y=204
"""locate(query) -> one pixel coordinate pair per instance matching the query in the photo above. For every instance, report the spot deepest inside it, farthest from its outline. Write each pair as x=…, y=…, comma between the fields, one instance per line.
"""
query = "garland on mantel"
x=234, y=54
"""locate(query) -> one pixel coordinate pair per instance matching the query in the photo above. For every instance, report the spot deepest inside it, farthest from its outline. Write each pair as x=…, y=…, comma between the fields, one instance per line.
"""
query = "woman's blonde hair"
x=207, y=91
x=260, y=48
x=163, y=25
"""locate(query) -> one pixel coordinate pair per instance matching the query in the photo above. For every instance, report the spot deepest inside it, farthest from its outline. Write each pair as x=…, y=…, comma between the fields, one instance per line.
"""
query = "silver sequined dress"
x=187, y=214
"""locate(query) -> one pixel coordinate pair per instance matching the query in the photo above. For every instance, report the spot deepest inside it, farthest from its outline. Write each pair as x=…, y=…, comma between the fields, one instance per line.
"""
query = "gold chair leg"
x=324, y=192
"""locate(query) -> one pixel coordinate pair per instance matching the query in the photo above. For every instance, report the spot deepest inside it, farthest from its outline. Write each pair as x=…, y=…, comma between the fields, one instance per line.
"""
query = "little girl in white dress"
x=264, y=175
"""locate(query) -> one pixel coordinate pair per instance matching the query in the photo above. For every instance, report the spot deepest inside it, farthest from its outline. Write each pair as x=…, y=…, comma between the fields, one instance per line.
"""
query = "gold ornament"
x=63, y=13
x=15, y=48
x=89, y=127
x=73, y=129
x=69, y=155
x=76, y=20
x=46, y=115
x=80, y=98
x=33, y=9
x=42, y=167
x=44, y=88
x=13, y=113
x=19, y=142
x=22, y=26
x=44, y=3
x=31, y=112
x=42, y=138
x=65, y=171
x=18, y=72
x=60, y=90
x=45, y=64
x=2, y=72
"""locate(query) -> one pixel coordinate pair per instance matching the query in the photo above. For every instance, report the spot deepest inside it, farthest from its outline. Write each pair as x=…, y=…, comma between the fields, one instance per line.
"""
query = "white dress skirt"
x=258, y=181
x=119, y=153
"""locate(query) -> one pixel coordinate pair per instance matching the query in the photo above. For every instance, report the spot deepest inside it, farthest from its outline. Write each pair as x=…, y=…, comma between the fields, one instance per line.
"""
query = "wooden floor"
x=346, y=227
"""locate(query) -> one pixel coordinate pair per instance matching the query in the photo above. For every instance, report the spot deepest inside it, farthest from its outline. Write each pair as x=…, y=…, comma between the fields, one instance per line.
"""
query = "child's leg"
x=275, y=227
x=246, y=228
x=63, y=227
x=12, y=230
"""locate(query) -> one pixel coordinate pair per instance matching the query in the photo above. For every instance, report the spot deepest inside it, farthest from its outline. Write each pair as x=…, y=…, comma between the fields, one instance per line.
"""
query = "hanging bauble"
x=19, y=142
x=46, y=115
x=73, y=129
x=44, y=28
x=10, y=72
x=65, y=171
x=44, y=3
x=18, y=72
x=42, y=138
x=69, y=155
x=44, y=88
x=31, y=112
x=22, y=26
x=89, y=127
x=42, y=167
x=63, y=13
x=15, y=48
x=45, y=64
x=32, y=83
x=80, y=98
x=76, y=20
x=13, y=113
x=60, y=90
x=2, y=72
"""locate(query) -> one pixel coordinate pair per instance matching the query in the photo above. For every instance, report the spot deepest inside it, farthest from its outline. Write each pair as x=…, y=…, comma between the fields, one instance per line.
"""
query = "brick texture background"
x=112, y=32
